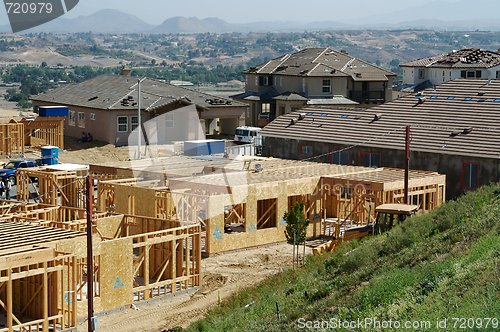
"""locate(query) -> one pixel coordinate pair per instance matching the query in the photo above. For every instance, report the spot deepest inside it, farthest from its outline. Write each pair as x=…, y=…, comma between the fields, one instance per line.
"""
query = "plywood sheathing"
x=329, y=191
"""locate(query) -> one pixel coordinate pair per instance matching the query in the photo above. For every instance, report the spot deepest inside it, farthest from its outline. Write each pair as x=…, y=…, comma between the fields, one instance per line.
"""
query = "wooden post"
x=45, y=327
x=9, y=300
x=90, y=261
x=146, y=265
x=407, y=162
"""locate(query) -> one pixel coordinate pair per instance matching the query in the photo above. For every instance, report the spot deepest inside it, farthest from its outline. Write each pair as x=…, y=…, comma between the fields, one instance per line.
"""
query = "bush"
x=296, y=224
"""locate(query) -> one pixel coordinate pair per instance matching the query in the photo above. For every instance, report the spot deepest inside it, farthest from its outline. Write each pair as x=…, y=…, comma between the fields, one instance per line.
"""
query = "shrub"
x=296, y=223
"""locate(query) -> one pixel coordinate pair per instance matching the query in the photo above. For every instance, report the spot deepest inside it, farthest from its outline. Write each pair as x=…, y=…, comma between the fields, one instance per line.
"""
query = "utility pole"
x=407, y=162
x=90, y=260
x=139, y=136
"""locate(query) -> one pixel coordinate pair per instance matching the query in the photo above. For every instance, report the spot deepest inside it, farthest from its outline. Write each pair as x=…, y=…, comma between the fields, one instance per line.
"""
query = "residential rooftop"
x=464, y=58
x=107, y=92
x=323, y=62
x=459, y=117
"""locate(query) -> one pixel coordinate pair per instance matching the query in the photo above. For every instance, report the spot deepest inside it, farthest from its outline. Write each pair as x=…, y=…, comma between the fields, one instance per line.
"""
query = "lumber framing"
x=37, y=284
x=17, y=133
x=43, y=131
x=168, y=252
x=12, y=139
x=55, y=187
x=336, y=197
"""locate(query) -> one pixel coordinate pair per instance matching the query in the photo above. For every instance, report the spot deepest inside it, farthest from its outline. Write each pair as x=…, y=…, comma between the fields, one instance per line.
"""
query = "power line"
x=338, y=151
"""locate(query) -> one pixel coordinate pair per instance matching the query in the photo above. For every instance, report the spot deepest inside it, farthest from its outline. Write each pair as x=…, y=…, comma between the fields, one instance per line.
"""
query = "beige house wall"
x=338, y=86
x=104, y=126
x=251, y=82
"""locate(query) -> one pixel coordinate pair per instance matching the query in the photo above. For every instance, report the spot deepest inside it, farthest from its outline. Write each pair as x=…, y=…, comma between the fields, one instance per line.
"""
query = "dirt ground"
x=220, y=275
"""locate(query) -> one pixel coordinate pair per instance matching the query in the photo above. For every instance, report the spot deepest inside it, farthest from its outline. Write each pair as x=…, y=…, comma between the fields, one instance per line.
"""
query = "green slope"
x=442, y=265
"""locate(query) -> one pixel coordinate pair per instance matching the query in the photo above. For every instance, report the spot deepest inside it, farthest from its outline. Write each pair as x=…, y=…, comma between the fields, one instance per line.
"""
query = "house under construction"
x=154, y=219
x=240, y=203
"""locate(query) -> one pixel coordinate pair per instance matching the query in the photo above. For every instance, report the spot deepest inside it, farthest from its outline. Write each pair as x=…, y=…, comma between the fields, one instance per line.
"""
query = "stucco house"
x=313, y=76
x=107, y=107
x=455, y=130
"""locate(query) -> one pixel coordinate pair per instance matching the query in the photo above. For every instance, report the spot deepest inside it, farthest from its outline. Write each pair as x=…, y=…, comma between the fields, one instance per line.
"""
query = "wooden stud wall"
x=171, y=253
x=66, y=188
x=39, y=293
x=169, y=261
x=44, y=131
x=11, y=139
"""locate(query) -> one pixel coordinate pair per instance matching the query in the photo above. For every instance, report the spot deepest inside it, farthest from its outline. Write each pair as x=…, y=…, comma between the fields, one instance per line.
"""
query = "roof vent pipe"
x=125, y=71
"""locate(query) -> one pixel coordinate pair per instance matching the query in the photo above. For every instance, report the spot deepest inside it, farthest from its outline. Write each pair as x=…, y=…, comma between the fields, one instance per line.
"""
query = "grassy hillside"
x=441, y=265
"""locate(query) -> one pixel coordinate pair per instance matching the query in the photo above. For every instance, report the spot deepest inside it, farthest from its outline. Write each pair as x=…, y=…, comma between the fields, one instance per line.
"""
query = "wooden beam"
x=45, y=325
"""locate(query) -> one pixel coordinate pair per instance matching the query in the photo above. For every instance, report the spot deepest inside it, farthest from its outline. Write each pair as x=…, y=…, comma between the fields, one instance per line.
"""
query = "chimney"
x=125, y=71
x=343, y=51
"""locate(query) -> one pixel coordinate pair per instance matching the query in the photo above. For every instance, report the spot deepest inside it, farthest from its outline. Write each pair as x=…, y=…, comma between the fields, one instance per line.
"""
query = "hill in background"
x=436, y=15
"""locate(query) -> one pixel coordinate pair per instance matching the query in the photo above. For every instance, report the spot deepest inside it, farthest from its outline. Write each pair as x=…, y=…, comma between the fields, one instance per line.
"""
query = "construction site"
x=154, y=221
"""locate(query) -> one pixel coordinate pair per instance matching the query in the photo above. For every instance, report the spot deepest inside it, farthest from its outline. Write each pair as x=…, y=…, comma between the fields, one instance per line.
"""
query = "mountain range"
x=437, y=15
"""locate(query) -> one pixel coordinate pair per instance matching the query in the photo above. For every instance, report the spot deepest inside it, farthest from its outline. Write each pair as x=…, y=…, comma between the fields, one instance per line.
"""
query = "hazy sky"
x=156, y=11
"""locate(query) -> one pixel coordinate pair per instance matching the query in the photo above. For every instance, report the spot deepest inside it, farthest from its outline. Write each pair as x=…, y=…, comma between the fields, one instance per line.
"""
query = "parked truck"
x=9, y=169
x=248, y=135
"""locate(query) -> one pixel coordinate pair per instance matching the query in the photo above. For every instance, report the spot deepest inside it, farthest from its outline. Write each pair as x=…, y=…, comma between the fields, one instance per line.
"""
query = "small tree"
x=295, y=221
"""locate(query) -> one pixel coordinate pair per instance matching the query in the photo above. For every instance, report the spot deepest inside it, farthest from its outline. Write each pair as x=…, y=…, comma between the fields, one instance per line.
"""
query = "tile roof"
x=321, y=62
x=335, y=100
x=107, y=91
x=464, y=58
x=267, y=94
x=413, y=87
x=291, y=96
x=459, y=117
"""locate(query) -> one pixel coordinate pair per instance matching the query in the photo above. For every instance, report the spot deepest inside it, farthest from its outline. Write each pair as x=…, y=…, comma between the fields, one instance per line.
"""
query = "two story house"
x=313, y=76
x=465, y=63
